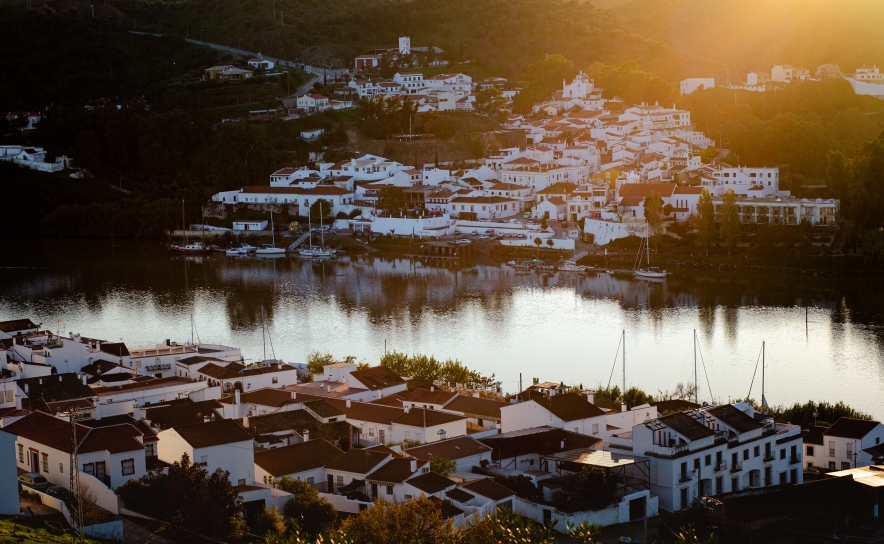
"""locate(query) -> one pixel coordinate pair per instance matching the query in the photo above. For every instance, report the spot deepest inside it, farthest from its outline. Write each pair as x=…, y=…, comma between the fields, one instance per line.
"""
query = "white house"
x=261, y=62
x=312, y=134
x=313, y=103
x=410, y=81
x=355, y=464
x=465, y=451
x=304, y=461
x=694, y=84
x=844, y=445
x=248, y=378
x=220, y=444
x=113, y=454
x=568, y=411
x=250, y=225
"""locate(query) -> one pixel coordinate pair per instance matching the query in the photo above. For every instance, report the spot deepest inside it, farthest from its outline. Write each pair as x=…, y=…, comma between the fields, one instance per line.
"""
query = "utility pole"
x=74, y=474
x=763, y=401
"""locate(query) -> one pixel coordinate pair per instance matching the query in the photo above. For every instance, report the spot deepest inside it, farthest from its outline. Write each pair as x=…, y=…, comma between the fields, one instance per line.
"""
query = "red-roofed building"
x=261, y=63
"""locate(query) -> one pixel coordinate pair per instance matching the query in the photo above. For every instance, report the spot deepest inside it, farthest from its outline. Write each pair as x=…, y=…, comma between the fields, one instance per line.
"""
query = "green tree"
x=873, y=248
x=268, y=521
x=688, y=535
x=313, y=513
x=491, y=102
x=316, y=362
x=538, y=242
x=320, y=209
x=705, y=220
x=859, y=183
x=730, y=220
x=653, y=206
x=187, y=495
x=418, y=520
x=391, y=199
x=243, y=154
x=544, y=78
x=442, y=465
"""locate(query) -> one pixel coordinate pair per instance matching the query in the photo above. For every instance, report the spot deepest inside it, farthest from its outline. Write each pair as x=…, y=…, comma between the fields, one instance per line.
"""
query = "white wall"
x=526, y=415
x=430, y=434
x=8, y=475
x=558, y=243
x=607, y=231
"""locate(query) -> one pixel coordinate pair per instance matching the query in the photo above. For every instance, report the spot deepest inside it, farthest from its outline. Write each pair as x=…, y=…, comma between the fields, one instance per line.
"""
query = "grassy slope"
x=34, y=532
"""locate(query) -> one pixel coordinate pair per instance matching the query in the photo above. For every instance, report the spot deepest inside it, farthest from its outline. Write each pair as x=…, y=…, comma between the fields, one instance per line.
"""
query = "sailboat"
x=270, y=249
x=648, y=272
x=192, y=248
x=312, y=251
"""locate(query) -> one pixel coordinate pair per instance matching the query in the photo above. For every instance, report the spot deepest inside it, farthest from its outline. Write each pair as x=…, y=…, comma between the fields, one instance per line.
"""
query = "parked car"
x=484, y=237
x=60, y=493
x=34, y=481
x=515, y=221
x=626, y=540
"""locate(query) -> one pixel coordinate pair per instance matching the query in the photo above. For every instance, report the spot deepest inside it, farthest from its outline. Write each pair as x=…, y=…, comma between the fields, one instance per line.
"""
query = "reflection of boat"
x=271, y=249
x=315, y=252
x=191, y=248
x=648, y=272
x=571, y=267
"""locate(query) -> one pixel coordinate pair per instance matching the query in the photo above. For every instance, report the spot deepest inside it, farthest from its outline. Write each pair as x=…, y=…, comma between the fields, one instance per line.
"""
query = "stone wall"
x=463, y=147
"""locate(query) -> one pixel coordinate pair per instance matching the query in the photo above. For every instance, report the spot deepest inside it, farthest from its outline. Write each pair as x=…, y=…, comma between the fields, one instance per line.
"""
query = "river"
x=824, y=336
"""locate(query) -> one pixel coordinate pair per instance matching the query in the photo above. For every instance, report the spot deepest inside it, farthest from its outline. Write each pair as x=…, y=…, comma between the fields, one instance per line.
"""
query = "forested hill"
x=672, y=39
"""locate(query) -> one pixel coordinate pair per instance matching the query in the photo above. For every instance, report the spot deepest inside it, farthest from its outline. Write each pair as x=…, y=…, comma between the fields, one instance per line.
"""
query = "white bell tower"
x=404, y=45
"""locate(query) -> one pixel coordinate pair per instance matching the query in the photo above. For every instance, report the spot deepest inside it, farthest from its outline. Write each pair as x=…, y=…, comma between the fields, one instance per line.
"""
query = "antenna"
x=696, y=383
x=624, y=363
x=763, y=400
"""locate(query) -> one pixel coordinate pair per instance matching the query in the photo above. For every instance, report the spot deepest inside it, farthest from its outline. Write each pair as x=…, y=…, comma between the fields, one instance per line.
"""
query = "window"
x=756, y=452
x=684, y=498
x=381, y=436
x=409, y=497
x=274, y=380
x=810, y=451
x=831, y=448
x=371, y=431
x=595, y=428
x=21, y=453
x=783, y=453
x=735, y=484
x=389, y=489
x=9, y=394
x=845, y=466
x=45, y=457
x=340, y=480
x=831, y=465
x=849, y=450
x=99, y=469
x=745, y=455
x=89, y=468
x=149, y=450
x=204, y=460
x=128, y=466
x=707, y=460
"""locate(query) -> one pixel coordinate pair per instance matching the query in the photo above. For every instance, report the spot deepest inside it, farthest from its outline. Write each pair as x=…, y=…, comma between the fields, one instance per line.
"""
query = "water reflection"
x=549, y=325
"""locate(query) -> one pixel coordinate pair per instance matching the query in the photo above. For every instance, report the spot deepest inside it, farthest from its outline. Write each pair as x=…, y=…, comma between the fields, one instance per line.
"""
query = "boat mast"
x=183, y=225
x=272, y=230
x=624, y=363
x=263, y=335
x=648, y=243
x=321, y=234
x=310, y=227
x=696, y=383
x=763, y=401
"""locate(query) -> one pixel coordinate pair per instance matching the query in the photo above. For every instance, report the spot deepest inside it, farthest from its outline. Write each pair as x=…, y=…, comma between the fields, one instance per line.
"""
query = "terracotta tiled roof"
x=215, y=433
x=377, y=377
x=364, y=411
x=814, y=435
x=566, y=406
x=451, y=448
x=394, y=471
x=558, y=188
x=182, y=412
x=646, y=189
x=297, y=458
x=55, y=433
x=265, y=397
x=476, y=406
x=55, y=387
x=431, y=482
x=426, y=396
x=686, y=426
x=118, y=349
x=420, y=417
x=674, y=405
x=487, y=487
x=848, y=427
x=14, y=325
x=358, y=461
x=539, y=440
x=459, y=495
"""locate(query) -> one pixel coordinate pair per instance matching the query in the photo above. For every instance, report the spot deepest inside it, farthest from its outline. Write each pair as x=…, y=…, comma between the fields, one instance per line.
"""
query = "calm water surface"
x=560, y=327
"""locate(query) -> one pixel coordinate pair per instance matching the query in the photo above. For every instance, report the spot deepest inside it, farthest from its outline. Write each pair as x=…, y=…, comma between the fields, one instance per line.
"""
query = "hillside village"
x=587, y=160
x=357, y=434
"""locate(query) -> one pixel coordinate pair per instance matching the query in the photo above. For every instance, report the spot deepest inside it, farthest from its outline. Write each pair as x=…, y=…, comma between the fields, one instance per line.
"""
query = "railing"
x=768, y=457
x=795, y=459
x=736, y=468
x=684, y=478
x=719, y=468
x=164, y=366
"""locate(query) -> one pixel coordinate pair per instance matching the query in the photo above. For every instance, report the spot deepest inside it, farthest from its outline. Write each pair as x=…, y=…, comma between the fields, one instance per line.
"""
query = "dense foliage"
x=310, y=511
x=187, y=495
x=448, y=372
x=814, y=413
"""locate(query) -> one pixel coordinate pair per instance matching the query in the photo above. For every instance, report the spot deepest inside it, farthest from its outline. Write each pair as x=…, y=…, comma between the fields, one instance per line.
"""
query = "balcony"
x=684, y=478
x=768, y=457
x=794, y=459
x=720, y=467
x=736, y=468
x=164, y=366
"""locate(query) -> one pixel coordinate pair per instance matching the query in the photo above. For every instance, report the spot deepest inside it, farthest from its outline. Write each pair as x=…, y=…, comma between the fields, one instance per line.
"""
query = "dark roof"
x=431, y=482
x=55, y=433
x=421, y=417
x=264, y=397
x=734, y=418
x=323, y=409
x=540, y=440
x=393, y=400
x=848, y=427
x=476, y=406
x=118, y=349
x=395, y=471
x=876, y=452
x=15, y=325
x=451, y=448
x=182, y=412
x=214, y=433
x=487, y=487
x=386, y=449
x=674, y=405
x=358, y=461
x=377, y=377
x=110, y=378
x=297, y=457
x=427, y=396
x=814, y=435
x=687, y=426
x=300, y=421
x=196, y=359
x=459, y=495
x=566, y=406
x=55, y=387
x=364, y=411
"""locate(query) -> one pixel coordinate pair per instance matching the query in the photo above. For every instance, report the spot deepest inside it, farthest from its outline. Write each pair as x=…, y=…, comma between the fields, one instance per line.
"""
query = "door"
x=330, y=482
x=381, y=436
x=99, y=470
x=35, y=465
x=374, y=491
x=637, y=509
x=547, y=516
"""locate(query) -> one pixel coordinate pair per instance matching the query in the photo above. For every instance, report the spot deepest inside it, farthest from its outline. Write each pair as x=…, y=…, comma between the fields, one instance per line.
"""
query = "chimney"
x=59, y=377
x=236, y=397
x=17, y=402
x=623, y=407
x=563, y=444
x=306, y=435
x=28, y=392
x=294, y=395
x=136, y=412
x=168, y=342
x=245, y=421
x=432, y=388
x=407, y=408
x=41, y=381
x=348, y=403
x=328, y=388
x=413, y=465
x=84, y=380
